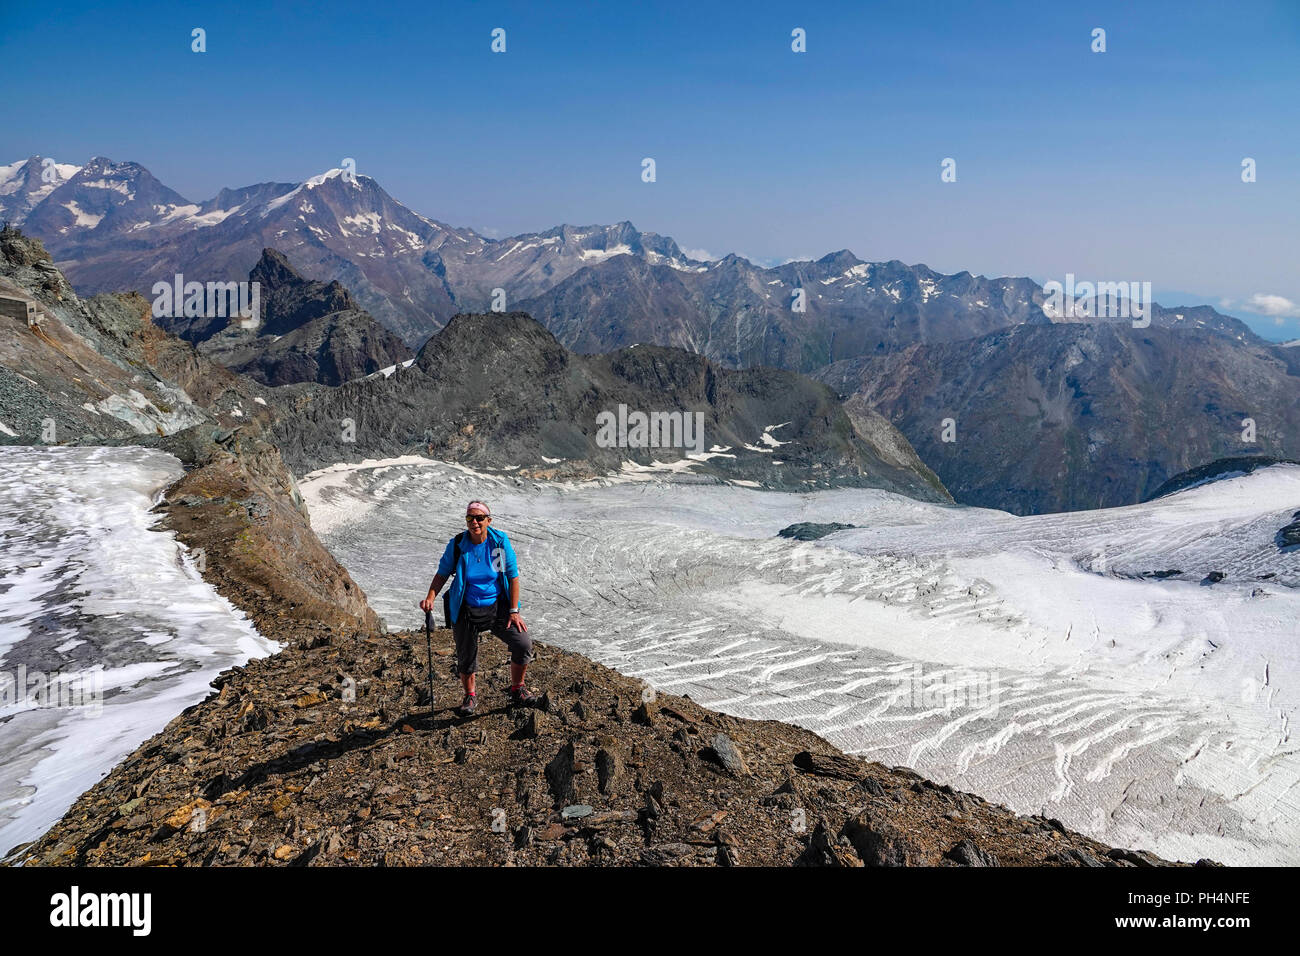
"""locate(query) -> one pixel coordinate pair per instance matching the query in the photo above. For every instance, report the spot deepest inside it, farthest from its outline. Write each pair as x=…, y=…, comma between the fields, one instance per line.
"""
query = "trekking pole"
x=428, y=642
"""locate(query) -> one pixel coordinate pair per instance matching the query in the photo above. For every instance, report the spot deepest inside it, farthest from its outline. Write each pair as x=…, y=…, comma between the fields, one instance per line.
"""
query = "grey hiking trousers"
x=493, y=617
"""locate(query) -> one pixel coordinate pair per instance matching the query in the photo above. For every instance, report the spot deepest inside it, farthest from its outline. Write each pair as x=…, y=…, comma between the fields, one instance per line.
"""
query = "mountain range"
x=100, y=371
x=1051, y=412
x=113, y=226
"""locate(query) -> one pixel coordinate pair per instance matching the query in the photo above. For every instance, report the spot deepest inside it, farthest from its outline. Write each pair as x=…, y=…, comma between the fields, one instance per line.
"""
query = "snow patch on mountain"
x=215, y=217
x=8, y=174
x=371, y=220
x=171, y=212
x=83, y=218
x=116, y=185
x=600, y=254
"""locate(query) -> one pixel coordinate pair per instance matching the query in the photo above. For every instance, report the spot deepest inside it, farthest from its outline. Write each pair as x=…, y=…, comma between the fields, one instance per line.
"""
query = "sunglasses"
x=477, y=518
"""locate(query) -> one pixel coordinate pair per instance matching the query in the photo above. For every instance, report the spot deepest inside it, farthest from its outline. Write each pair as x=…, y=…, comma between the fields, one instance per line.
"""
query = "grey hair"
x=477, y=502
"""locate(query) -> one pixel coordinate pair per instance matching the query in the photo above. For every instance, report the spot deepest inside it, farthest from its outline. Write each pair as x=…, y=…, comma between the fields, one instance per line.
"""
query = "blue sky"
x=1123, y=165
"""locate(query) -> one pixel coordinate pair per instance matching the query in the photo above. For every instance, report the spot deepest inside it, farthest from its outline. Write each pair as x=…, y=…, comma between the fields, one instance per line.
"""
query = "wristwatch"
x=514, y=610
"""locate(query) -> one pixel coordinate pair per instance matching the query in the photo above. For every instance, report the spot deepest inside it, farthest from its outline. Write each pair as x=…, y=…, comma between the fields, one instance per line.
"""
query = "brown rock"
x=823, y=765
x=559, y=776
x=180, y=818
x=827, y=850
x=881, y=843
x=967, y=853
x=710, y=820
x=726, y=754
x=609, y=769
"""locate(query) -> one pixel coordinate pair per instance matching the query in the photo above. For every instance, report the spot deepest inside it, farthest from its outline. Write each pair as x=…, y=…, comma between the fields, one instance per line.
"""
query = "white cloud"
x=1277, y=306
x=703, y=255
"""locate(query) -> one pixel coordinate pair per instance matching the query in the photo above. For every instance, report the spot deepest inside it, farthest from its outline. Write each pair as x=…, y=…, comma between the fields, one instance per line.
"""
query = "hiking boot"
x=467, y=705
x=521, y=697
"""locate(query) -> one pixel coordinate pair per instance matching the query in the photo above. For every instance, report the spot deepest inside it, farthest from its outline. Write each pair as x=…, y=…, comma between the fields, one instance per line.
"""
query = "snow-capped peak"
x=312, y=183
x=10, y=172
x=13, y=176
x=328, y=175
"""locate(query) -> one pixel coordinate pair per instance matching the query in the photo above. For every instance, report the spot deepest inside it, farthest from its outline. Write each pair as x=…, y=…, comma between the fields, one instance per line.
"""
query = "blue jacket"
x=503, y=558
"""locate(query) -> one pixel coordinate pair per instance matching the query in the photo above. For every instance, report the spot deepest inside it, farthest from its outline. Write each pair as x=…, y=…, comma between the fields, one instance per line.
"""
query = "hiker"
x=484, y=595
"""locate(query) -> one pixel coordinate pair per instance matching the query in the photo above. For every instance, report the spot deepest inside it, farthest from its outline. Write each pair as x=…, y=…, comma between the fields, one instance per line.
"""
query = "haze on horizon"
x=1122, y=165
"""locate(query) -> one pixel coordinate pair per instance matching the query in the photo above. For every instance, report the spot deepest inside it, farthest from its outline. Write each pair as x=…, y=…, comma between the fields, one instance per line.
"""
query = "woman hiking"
x=484, y=595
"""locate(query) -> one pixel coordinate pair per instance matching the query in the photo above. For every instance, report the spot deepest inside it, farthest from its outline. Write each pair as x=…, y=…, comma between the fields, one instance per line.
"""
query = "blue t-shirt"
x=480, y=575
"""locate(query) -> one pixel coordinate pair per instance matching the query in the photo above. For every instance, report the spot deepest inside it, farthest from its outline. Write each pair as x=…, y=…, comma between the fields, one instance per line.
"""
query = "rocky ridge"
x=328, y=754
x=98, y=369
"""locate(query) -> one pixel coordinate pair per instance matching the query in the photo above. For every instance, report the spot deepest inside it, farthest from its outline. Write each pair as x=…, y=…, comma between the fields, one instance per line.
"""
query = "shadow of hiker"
x=312, y=751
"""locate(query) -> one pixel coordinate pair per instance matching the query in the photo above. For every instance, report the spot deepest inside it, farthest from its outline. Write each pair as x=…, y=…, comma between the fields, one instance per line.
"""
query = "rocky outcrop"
x=239, y=506
x=309, y=332
x=329, y=754
x=99, y=370
x=1288, y=536
x=812, y=530
x=290, y=301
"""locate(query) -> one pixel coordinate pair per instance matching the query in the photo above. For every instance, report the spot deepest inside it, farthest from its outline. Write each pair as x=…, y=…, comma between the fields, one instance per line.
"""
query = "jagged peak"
x=841, y=257
x=274, y=269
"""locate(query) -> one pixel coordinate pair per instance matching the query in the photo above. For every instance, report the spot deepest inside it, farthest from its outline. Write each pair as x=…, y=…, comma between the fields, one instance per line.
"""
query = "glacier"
x=1035, y=661
x=91, y=592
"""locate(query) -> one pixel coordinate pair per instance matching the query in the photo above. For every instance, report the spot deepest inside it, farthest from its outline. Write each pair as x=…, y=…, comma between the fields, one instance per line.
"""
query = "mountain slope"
x=99, y=372
x=25, y=184
x=1065, y=417
x=98, y=369
x=740, y=315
